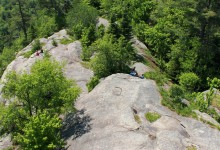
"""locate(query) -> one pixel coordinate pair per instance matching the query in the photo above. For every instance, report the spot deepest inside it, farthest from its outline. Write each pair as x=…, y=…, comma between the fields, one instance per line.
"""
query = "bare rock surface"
x=5, y=142
x=109, y=110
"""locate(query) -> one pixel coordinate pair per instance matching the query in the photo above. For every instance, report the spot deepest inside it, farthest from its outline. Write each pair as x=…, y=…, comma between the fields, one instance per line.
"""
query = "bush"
x=28, y=54
x=175, y=105
x=54, y=43
x=41, y=132
x=88, y=36
x=80, y=17
x=152, y=116
x=87, y=53
x=76, y=31
x=92, y=83
x=112, y=56
x=176, y=92
x=6, y=57
x=189, y=81
x=201, y=104
x=45, y=25
x=157, y=76
x=101, y=31
x=36, y=46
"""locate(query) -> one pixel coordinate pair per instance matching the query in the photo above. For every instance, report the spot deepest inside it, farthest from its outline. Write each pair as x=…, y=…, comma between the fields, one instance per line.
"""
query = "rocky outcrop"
x=68, y=54
x=111, y=107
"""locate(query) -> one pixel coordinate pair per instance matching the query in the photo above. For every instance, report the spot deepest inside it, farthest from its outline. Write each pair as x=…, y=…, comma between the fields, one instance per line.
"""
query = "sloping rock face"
x=111, y=107
x=5, y=142
x=68, y=54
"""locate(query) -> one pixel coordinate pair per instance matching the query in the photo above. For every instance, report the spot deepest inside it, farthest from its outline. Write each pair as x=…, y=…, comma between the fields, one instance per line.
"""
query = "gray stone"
x=67, y=54
x=104, y=22
x=110, y=107
x=206, y=117
x=138, y=43
x=141, y=68
x=186, y=102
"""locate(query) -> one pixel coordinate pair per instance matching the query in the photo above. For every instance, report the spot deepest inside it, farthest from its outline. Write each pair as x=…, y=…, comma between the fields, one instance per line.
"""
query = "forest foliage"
x=182, y=35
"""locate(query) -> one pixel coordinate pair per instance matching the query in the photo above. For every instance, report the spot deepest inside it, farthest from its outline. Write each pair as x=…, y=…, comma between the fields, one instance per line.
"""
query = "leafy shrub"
x=189, y=81
x=200, y=103
x=87, y=52
x=157, y=76
x=92, y=83
x=101, y=31
x=79, y=17
x=152, y=116
x=176, y=92
x=175, y=105
x=45, y=25
x=54, y=43
x=214, y=83
x=112, y=56
x=6, y=57
x=88, y=36
x=36, y=46
x=41, y=132
x=76, y=31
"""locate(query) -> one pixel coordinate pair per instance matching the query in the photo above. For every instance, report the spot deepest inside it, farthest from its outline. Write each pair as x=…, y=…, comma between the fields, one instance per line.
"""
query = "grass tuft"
x=191, y=147
x=152, y=116
x=66, y=41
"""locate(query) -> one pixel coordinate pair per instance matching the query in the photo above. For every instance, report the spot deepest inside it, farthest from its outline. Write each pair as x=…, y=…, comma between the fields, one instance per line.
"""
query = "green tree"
x=92, y=83
x=41, y=132
x=13, y=118
x=189, y=81
x=112, y=57
x=45, y=25
x=79, y=17
x=43, y=89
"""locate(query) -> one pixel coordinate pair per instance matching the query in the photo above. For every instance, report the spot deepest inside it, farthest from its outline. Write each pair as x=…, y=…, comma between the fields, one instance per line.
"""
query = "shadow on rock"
x=76, y=124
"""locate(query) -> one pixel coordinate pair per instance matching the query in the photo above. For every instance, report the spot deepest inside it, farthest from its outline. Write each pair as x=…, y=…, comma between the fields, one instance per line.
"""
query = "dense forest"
x=183, y=37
